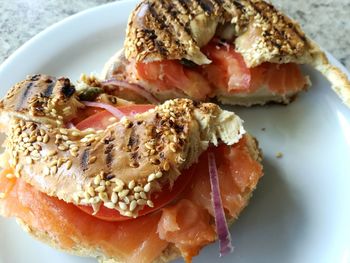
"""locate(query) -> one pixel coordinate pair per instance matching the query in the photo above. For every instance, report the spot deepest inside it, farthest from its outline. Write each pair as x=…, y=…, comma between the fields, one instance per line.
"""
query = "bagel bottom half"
x=170, y=253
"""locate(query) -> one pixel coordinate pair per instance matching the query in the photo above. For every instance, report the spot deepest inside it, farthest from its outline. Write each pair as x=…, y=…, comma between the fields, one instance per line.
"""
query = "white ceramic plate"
x=300, y=211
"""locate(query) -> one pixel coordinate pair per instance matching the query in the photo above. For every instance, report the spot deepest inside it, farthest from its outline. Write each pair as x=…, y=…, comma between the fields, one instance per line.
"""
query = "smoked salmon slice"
x=136, y=240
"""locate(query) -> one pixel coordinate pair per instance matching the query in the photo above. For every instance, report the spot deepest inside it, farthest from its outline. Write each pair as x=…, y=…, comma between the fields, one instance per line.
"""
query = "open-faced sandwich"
x=95, y=175
x=240, y=52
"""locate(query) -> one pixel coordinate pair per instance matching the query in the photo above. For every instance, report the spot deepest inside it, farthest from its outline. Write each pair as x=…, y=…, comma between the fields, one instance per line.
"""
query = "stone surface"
x=327, y=22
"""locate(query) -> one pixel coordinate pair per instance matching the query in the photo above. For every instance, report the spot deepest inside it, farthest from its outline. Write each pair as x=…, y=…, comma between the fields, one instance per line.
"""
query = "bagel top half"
x=159, y=30
x=136, y=155
x=177, y=30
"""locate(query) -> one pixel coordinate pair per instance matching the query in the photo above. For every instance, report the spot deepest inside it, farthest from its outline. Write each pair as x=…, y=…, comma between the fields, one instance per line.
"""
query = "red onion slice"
x=133, y=87
x=113, y=110
x=219, y=214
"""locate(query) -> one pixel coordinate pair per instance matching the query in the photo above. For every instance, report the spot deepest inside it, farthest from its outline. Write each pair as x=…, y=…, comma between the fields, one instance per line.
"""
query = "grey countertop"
x=327, y=21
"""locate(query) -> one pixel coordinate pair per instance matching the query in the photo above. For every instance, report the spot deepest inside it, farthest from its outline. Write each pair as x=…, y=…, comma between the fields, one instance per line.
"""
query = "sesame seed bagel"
x=177, y=30
x=160, y=30
x=81, y=248
x=134, y=156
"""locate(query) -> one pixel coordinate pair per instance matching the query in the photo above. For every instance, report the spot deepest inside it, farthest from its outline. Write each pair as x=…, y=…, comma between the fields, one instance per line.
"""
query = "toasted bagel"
x=80, y=248
x=148, y=150
x=177, y=30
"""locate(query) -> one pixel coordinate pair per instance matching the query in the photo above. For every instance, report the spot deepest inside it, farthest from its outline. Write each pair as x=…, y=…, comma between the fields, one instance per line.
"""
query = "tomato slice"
x=101, y=120
x=171, y=74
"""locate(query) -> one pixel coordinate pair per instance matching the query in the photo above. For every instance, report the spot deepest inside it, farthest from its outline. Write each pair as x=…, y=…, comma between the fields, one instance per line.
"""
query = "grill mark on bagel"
x=109, y=155
x=175, y=13
x=84, y=161
x=159, y=45
x=279, y=39
x=24, y=96
x=49, y=89
x=266, y=11
x=207, y=6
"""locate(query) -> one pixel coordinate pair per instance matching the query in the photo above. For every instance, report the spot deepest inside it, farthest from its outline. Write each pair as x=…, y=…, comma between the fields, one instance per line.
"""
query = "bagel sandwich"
x=242, y=52
x=95, y=175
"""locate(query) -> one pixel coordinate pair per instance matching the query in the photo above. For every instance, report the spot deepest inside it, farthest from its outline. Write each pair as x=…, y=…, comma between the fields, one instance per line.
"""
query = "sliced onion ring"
x=219, y=214
x=111, y=109
x=133, y=87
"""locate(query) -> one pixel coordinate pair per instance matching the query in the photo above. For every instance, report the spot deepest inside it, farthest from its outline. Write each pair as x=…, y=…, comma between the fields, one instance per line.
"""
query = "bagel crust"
x=159, y=30
x=118, y=167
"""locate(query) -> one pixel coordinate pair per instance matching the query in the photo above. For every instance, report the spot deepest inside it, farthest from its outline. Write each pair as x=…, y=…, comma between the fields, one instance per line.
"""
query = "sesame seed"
x=166, y=166
x=73, y=147
x=29, y=160
x=133, y=205
x=74, y=153
x=69, y=164
x=112, y=119
x=150, y=203
x=122, y=206
x=147, y=187
x=143, y=195
x=103, y=182
x=114, y=198
x=159, y=174
x=118, y=188
x=52, y=153
x=172, y=147
x=75, y=133
x=126, y=200
x=59, y=162
x=63, y=131
x=100, y=189
x=118, y=181
x=151, y=177
x=109, y=205
x=76, y=198
x=46, y=138
x=137, y=195
x=9, y=176
x=96, y=208
x=31, y=148
x=141, y=202
x=128, y=213
x=53, y=169
x=46, y=171
x=148, y=146
x=131, y=184
x=103, y=196
x=97, y=180
x=138, y=189
x=123, y=193
x=91, y=191
x=87, y=196
x=92, y=159
x=62, y=147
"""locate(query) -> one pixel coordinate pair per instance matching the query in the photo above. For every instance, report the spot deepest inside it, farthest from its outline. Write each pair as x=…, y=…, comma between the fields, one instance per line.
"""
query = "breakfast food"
x=95, y=175
x=240, y=52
